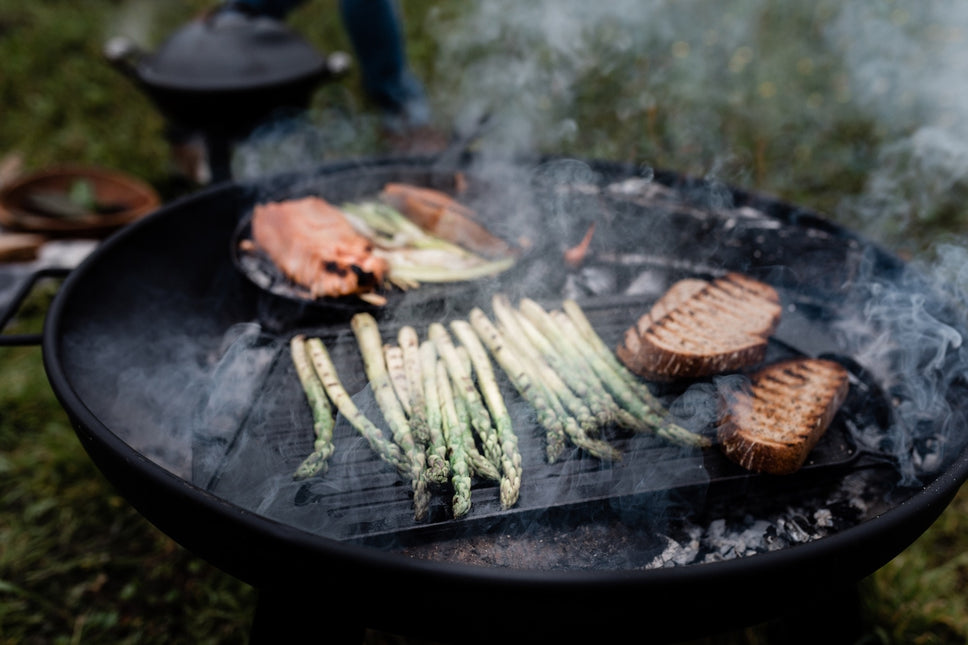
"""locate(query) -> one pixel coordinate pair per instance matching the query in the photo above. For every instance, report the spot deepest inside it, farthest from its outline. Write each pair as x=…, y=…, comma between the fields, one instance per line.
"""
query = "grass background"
x=848, y=108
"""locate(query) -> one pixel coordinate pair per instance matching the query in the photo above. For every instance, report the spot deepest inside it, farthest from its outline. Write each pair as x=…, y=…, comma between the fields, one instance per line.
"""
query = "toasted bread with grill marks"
x=773, y=425
x=698, y=328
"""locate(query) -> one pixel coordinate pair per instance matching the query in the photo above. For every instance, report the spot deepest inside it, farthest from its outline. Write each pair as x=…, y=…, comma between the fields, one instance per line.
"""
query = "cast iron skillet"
x=360, y=186
x=170, y=277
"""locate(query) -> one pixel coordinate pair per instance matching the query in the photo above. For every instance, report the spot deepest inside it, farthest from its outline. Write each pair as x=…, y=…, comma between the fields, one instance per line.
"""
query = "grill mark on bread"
x=698, y=328
x=772, y=426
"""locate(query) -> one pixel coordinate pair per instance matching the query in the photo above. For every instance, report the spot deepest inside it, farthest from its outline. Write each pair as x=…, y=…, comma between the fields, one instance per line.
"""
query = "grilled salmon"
x=315, y=246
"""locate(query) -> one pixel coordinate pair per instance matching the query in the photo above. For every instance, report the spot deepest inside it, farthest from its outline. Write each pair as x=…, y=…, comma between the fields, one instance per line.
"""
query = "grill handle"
x=24, y=290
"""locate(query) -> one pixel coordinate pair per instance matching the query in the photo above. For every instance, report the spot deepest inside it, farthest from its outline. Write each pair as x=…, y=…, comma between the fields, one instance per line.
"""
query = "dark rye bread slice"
x=698, y=328
x=773, y=425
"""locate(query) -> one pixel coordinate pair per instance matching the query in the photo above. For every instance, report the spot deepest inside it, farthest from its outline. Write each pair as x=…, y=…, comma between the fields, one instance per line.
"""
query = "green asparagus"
x=578, y=379
x=579, y=356
x=467, y=391
x=323, y=420
x=438, y=468
x=416, y=407
x=386, y=449
x=531, y=391
x=574, y=311
x=511, y=468
x=629, y=398
x=551, y=379
x=556, y=394
x=461, y=477
x=479, y=464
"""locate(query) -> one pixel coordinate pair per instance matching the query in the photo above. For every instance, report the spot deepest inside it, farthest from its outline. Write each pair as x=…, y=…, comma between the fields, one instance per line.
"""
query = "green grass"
x=751, y=92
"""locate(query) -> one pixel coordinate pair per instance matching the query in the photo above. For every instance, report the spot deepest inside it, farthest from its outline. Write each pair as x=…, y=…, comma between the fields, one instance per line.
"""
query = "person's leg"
x=377, y=37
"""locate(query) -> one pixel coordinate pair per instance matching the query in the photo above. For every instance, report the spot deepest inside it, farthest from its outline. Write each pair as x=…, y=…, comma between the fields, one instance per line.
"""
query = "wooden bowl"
x=39, y=202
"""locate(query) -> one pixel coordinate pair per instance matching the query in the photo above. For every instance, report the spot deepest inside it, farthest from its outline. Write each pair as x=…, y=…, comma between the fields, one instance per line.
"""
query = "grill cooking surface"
x=361, y=498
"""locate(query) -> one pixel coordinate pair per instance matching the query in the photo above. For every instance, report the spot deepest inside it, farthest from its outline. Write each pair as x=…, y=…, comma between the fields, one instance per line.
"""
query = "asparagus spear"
x=461, y=478
x=584, y=327
x=556, y=394
x=466, y=390
x=427, y=409
x=323, y=420
x=600, y=402
x=662, y=424
x=541, y=371
x=479, y=464
x=579, y=354
x=415, y=406
x=659, y=420
x=532, y=392
x=386, y=449
x=580, y=378
x=511, y=468
x=367, y=333
x=393, y=355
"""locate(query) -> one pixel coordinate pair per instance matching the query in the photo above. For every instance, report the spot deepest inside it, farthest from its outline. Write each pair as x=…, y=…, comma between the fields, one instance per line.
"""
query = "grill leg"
x=219, y=148
x=282, y=617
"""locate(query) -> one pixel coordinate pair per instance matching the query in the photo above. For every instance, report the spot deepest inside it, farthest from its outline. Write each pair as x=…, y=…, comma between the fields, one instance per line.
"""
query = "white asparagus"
x=368, y=337
x=393, y=355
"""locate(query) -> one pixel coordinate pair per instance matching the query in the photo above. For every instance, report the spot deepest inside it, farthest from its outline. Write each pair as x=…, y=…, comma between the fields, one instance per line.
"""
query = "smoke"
x=135, y=20
x=862, y=102
x=907, y=66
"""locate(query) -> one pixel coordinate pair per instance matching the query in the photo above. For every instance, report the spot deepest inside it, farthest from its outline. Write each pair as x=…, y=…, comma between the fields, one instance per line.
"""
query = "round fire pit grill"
x=173, y=367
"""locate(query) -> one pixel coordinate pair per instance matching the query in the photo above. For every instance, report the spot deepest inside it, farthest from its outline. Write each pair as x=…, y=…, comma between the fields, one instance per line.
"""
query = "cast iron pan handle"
x=10, y=340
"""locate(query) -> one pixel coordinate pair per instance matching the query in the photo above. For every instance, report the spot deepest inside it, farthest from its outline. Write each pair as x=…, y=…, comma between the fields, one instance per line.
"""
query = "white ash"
x=726, y=538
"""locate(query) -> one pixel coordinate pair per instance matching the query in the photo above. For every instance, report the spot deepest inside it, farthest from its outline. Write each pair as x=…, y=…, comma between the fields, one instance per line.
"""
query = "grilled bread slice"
x=698, y=328
x=773, y=425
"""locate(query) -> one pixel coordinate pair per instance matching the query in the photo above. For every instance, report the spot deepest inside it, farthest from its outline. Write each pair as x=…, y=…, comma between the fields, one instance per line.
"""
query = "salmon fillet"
x=315, y=246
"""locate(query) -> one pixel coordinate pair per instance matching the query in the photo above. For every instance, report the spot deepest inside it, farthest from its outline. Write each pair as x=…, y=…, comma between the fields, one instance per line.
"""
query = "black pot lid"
x=230, y=51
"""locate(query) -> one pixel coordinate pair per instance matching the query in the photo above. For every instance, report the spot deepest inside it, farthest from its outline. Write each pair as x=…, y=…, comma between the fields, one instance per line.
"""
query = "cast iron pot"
x=224, y=72
x=171, y=276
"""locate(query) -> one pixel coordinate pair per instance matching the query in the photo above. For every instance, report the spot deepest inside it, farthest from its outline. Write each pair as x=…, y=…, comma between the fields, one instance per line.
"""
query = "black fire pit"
x=173, y=364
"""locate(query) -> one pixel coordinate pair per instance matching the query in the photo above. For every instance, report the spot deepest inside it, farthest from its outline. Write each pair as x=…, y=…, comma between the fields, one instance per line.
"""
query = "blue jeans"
x=375, y=32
